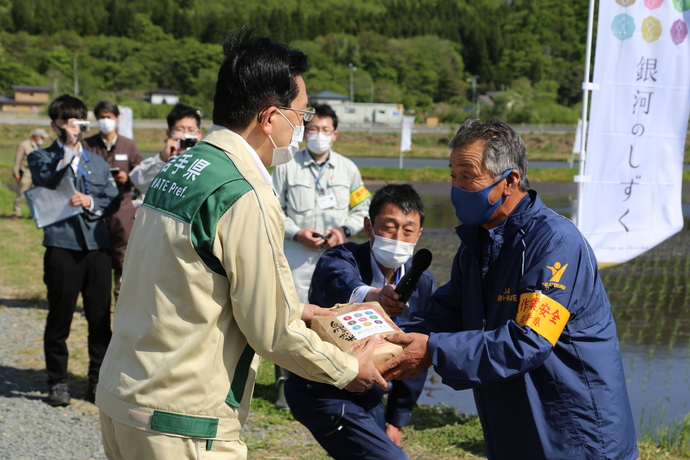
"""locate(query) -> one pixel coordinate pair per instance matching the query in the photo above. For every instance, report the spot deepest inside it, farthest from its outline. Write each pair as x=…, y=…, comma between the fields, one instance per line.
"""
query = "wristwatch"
x=347, y=231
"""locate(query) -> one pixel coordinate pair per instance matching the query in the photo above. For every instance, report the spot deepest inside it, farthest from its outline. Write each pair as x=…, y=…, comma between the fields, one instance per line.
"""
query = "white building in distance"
x=163, y=96
x=359, y=112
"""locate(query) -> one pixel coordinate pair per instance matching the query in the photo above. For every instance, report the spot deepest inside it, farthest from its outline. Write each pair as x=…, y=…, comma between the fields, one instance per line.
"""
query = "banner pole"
x=400, y=163
x=585, y=103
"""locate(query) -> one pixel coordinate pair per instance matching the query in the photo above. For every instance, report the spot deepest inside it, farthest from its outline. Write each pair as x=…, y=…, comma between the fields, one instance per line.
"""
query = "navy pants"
x=66, y=274
x=346, y=430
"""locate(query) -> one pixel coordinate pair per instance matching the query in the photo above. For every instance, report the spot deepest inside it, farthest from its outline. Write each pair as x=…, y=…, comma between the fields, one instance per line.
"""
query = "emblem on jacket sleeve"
x=556, y=273
x=543, y=315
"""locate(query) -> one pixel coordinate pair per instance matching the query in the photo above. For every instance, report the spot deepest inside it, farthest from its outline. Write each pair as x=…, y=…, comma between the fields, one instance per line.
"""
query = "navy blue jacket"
x=339, y=271
x=85, y=231
x=535, y=401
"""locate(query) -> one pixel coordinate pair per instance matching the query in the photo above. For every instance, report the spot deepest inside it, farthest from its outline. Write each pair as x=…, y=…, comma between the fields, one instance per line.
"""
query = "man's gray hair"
x=503, y=147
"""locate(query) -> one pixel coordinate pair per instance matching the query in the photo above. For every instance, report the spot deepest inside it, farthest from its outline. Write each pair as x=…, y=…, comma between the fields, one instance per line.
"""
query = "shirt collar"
x=378, y=280
x=255, y=156
x=308, y=159
x=311, y=159
x=109, y=145
x=77, y=153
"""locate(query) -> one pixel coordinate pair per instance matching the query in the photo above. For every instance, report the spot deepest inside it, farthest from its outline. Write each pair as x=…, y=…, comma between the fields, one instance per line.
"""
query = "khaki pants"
x=23, y=185
x=122, y=442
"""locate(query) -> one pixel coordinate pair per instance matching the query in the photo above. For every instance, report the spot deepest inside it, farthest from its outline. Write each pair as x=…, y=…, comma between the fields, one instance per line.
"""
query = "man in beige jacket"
x=206, y=287
x=20, y=170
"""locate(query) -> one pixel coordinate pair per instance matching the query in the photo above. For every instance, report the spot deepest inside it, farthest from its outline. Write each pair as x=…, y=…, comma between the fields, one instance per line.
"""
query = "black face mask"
x=63, y=134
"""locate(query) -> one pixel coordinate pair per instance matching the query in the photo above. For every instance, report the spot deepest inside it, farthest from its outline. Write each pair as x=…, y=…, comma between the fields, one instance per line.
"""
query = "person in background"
x=77, y=257
x=525, y=320
x=357, y=425
x=324, y=202
x=206, y=288
x=20, y=169
x=184, y=131
x=122, y=155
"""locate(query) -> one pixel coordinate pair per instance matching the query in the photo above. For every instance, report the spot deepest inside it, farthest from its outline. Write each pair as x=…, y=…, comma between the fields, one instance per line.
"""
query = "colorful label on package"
x=364, y=323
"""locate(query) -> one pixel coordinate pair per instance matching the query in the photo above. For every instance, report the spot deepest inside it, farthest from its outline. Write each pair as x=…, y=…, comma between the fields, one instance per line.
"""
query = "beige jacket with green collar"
x=206, y=288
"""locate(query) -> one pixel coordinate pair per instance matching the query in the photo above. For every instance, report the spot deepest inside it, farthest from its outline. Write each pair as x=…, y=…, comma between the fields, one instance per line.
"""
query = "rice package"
x=353, y=326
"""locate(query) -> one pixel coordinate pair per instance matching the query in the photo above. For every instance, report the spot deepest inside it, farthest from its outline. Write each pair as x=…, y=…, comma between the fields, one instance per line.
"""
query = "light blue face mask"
x=473, y=208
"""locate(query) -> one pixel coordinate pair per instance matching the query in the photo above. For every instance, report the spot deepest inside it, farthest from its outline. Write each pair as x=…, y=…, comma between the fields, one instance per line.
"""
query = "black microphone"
x=408, y=283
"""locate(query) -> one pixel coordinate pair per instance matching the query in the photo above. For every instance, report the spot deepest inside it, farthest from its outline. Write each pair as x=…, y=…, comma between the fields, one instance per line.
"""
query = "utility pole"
x=475, y=103
x=76, y=77
x=352, y=84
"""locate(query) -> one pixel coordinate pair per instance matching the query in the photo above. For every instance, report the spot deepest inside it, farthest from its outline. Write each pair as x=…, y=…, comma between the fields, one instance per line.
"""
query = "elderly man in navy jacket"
x=77, y=257
x=525, y=320
x=350, y=425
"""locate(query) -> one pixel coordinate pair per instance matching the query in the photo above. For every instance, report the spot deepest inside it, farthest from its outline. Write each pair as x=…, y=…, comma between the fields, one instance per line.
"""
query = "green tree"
x=145, y=31
x=61, y=60
x=6, y=22
x=449, y=83
x=14, y=73
x=340, y=48
x=23, y=17
x=419, y=51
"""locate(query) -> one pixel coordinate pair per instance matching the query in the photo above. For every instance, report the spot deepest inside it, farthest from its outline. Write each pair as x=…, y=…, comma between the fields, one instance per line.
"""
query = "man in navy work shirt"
x=525, y=320
x=351, y=425
x=77, y=257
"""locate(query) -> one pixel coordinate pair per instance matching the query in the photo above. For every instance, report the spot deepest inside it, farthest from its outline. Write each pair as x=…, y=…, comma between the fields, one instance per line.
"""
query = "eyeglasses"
x=327, y=130
x=307, y=115
x=183, y=130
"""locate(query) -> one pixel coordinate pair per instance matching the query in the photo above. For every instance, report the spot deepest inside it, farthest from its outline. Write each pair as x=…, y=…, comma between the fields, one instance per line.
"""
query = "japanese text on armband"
x=543, y=315
x=358, y=195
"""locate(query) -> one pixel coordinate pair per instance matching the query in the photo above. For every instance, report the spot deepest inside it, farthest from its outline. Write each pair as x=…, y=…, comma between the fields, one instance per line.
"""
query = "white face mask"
x=391, y=253
x=107, y=125
x=319, y=143
x=39, y=142
x=282, y=155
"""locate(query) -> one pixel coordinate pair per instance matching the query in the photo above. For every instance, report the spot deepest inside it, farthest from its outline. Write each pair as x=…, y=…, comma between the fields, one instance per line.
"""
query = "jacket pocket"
x=301, y=196
x=340, y=187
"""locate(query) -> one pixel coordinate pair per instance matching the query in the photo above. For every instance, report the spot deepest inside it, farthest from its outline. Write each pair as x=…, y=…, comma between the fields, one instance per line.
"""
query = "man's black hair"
x=66, y=107
x=325, y=110
x=106, y=106
x=180, y=111
x=257, y=73
x=401, y=195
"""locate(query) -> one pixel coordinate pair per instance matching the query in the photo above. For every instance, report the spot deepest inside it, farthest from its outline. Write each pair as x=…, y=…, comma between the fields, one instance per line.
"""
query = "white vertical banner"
x=126, y=122
x=406, y=137
x=636, y=135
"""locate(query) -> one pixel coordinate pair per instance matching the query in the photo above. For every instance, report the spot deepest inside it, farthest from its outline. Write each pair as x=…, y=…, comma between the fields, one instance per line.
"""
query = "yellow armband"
x=358, y=195
x=543, y=314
